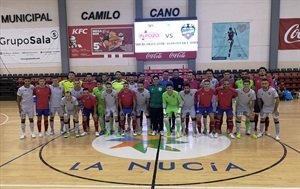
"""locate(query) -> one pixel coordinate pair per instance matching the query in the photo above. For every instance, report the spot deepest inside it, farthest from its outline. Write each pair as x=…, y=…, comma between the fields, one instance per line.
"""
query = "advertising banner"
x=289, y=34
x=170, y=39
x=30, y=45
x=230, y=41
x=110, y=41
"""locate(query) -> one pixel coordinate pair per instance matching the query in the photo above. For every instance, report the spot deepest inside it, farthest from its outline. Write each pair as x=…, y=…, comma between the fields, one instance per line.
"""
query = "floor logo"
x=144, y=147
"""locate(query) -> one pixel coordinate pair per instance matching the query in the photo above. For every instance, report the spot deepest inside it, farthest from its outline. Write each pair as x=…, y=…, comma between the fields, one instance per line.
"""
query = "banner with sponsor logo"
x=170, y=39
x=110, y=41
x=289, y=34
x=30, y=45
x=230, y=41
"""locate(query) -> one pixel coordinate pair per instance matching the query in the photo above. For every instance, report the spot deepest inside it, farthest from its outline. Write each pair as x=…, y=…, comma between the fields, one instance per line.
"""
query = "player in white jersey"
x=245, y=106
x=142, y=106
x=188, y=108
x=270, y=99
x=76, y=92
x=214, y=83
x=55, y=106
x=110, y=103
x=70, y=107
x=132, y=85
x=26, y=106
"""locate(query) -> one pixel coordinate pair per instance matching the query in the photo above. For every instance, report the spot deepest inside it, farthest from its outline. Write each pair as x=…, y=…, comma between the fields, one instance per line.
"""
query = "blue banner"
x=230, y=41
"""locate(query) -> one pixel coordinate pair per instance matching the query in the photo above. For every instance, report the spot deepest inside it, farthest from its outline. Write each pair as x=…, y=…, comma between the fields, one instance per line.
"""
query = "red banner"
x=289, y=34
x=166, y=55
x=109, y=41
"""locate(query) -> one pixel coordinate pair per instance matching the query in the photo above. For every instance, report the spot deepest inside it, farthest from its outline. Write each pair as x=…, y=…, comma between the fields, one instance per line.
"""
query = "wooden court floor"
x=129, y=162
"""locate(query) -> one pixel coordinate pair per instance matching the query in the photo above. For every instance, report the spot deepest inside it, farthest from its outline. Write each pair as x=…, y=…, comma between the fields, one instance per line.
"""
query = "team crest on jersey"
x=269, y=93
x=112, y=95
x=160, y=89
x=221, y=93
x=142, y=95
x=248, y=95
x=173, y=96
x=202, y=93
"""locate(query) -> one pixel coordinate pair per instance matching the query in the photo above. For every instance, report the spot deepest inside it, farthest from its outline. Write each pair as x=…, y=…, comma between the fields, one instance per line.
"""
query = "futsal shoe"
x=277, y=137
x=238, y=135
x=33, y=135
x=153, y=133
x=67, y=135
x=253, y=135
x=123, y=133
x=134, y=133
x=23, y=136
x=260, y=135
x=231, y=135
x=83, y=134
x=216, y=135
x=167, y=134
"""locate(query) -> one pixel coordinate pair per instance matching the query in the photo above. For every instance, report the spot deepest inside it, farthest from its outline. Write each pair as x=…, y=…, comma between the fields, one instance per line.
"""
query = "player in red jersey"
x=42, y=93
x=226, y=76
x=89, y=107
x=225, y=95
x=127, y=105
x=262, y=74
x=89, y=83
x=206, y=97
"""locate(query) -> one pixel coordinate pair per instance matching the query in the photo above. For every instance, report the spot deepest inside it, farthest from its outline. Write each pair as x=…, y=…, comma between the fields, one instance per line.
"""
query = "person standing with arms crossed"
x=26, y=106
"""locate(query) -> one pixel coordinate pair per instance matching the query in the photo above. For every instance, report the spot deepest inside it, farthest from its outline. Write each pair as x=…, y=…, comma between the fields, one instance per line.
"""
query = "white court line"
x=130, y=186
x=5, y=120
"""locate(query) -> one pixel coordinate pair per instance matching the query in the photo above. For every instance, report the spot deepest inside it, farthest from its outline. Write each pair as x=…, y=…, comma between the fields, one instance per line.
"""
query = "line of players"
x=164, y=102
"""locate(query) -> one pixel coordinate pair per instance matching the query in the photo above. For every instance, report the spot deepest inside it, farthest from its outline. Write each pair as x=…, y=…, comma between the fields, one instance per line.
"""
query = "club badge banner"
x=110, y=41
x=289, y=34
x=230, y=41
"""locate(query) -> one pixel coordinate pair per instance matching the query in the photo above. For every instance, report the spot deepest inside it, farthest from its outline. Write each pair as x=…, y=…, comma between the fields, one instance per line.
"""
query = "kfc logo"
x=79, y=31
x=292, y=35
